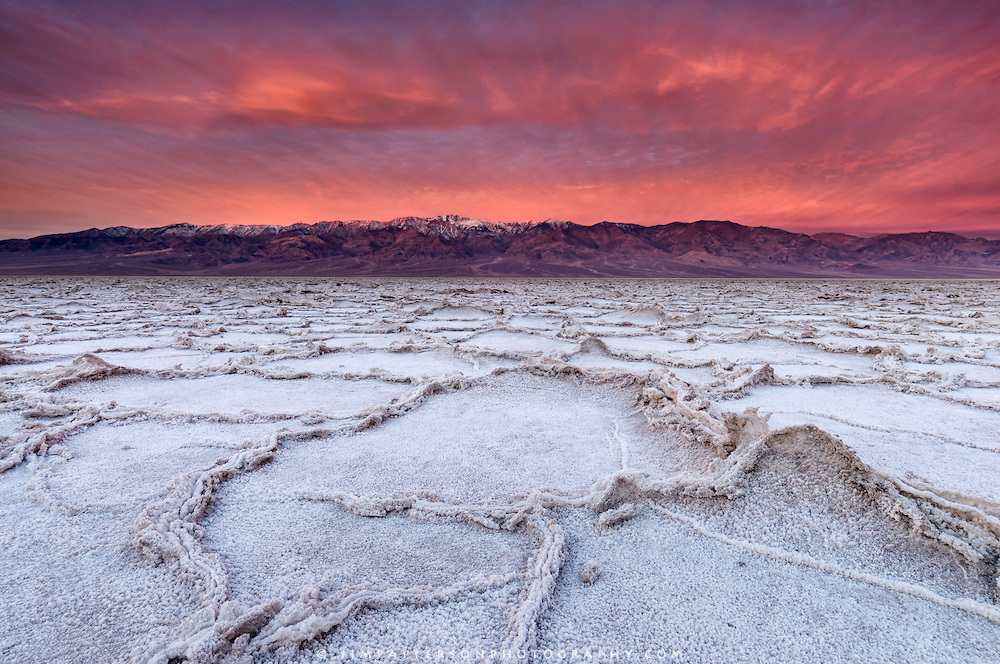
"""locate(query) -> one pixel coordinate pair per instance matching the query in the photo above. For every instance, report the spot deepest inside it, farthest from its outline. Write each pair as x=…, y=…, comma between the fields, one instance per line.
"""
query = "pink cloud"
x=853, y=116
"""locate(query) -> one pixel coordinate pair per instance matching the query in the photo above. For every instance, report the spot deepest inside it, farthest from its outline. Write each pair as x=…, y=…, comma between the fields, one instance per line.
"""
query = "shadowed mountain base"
x=456, y=246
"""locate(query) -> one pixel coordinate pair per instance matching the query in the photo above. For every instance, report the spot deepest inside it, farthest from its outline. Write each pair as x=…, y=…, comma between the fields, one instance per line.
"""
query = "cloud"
x=819, y=115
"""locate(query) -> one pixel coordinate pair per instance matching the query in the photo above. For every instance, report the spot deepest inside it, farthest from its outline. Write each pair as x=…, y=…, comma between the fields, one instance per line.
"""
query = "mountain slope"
x=458, y=246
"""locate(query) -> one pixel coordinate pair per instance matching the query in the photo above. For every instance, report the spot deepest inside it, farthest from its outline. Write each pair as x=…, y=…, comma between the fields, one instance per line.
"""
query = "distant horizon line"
x=971, y=235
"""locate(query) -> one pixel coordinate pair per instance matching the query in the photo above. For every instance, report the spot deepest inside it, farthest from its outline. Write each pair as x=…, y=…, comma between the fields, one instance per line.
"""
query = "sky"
x=855, y=116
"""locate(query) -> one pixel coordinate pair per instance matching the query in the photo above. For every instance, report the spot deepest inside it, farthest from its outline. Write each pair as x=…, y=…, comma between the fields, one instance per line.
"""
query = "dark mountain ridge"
x=458, y=246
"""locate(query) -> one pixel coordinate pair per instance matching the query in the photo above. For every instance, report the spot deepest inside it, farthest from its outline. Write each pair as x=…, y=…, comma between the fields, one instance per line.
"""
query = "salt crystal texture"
x=590, y=572
x=300, y=470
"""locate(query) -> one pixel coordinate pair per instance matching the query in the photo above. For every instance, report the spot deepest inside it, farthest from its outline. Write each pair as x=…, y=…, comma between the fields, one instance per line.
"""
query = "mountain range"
x=458, y=246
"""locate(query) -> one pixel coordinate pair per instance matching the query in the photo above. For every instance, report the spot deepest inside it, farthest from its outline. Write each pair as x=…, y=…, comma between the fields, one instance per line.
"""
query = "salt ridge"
x=698, y=411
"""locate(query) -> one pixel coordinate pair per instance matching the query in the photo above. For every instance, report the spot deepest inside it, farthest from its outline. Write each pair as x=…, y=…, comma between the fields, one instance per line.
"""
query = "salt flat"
x=308, y=470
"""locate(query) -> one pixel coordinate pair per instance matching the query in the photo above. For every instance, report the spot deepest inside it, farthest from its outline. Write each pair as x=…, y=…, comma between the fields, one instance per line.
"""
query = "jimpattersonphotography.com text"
x=482, y=655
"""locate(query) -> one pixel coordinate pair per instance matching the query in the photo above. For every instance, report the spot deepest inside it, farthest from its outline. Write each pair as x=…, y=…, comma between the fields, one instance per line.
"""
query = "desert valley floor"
x=318, y=470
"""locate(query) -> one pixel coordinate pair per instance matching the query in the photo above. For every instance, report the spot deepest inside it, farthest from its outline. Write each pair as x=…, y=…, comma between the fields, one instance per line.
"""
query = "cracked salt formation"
x=401, y=361
x=667, y=586
x=74, y=587
x=882, y=407
x=474, y=443
x=330, y=548
x=240, y=396
x=164, y=359
x=280, y=470
x=811, y=495
x=130, y=464
x=514, y=344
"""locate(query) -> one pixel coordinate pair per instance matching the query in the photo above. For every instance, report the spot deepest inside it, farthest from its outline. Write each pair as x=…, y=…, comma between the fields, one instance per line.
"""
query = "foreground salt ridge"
x=164, y=534
x=53, y=409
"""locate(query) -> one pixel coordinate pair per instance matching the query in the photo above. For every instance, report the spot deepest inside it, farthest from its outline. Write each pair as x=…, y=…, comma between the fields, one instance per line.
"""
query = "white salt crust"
x=264, y=470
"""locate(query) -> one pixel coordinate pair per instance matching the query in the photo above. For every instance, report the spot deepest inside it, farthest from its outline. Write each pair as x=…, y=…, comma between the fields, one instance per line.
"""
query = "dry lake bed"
x=319, y=470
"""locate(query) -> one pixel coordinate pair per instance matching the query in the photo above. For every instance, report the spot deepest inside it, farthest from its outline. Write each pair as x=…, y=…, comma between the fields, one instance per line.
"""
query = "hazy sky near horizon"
x=851, y=116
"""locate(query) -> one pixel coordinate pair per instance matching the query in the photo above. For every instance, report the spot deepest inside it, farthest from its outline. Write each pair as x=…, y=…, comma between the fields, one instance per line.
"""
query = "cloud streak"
x=847, y=116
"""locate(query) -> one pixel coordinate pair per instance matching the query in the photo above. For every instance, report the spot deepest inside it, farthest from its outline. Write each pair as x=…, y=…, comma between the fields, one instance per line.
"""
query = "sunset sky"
x=860, y=117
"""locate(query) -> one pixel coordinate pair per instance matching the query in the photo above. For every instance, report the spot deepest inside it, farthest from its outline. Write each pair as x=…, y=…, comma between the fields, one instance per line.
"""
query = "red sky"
x=859, y=117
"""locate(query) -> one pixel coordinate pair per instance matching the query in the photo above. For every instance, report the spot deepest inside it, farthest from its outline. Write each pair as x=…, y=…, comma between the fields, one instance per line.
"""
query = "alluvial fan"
x=304, y=470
